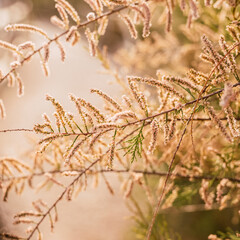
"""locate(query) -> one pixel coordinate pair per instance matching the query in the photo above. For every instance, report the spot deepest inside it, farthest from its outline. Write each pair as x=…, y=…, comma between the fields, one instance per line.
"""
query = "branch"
x=140, y=120
x=181, y=138
x=193, y=208
x=144, y=172
x=64, y=192
x=200, y=119
x=184, y=105
x=60, y=198
x=62, y=34
x=16, y=130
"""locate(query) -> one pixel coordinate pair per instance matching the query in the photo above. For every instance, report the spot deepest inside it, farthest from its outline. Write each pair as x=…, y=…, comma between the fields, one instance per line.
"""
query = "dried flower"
x=155, y=129
x=156, y=83
x=209, y=49
x=136, y=93
x=57, y=22
x=147, y=19
x=233, y=126
x=105, y=126
x=219, y=123
x=228, y=95
x=169, y=21
x=235, y=35
x=194, y=9
x=63, y=15
x=123, y=115
x=91, y=16
x=107, y=98
x=180, y=81
x=111, y=153
x=15, y=64
x=26, y=27
x=71, y=33
x=91, y=42
x=2, y=110
x=129, y=188
x=46, y=53
x=73, y=150
x=61, y=49
x=92, y=109
x=10, y=47
x=229, y=56
x=127, y=20
x=127, y=101
x=103, y=23
x=19, y=85
x=70, y=10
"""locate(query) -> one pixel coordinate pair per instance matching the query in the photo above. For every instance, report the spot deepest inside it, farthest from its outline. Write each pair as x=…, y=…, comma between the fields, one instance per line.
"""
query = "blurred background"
x=95, y=214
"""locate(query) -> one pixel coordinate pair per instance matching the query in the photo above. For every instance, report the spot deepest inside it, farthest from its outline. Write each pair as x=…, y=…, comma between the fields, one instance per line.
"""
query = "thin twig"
x=193, y=208
x=16, y=130
x=60, y=197
x=144, y=172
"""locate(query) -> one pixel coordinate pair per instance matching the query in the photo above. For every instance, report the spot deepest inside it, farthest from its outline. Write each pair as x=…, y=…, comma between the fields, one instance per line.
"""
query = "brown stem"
x=16, y=130
x=200, y=119
x=145, y=172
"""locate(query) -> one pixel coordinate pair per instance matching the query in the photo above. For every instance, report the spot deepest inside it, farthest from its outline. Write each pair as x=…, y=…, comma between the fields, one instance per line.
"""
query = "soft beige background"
x=95, y=214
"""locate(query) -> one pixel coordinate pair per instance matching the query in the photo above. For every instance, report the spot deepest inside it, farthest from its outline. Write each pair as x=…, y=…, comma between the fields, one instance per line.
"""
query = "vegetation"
x=173, y=137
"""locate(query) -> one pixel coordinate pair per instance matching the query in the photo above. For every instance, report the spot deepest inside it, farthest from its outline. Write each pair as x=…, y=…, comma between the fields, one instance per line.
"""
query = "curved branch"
x=62, y=34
